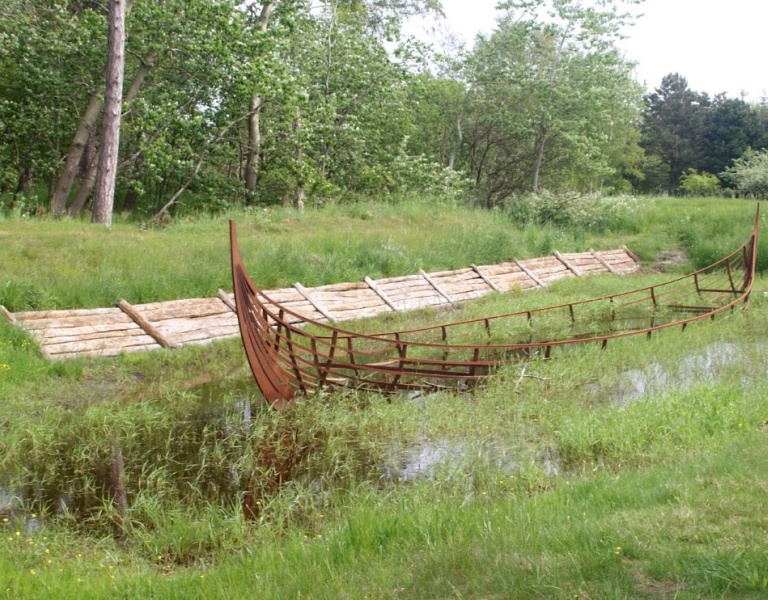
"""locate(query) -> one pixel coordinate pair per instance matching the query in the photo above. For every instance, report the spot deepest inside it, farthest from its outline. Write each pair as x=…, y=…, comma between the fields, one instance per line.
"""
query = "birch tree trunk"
x=253, y=150
x=298, y=195
x=104, y=196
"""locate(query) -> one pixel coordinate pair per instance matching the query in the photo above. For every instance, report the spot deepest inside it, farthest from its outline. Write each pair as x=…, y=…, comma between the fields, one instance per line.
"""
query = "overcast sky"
x=717, y=45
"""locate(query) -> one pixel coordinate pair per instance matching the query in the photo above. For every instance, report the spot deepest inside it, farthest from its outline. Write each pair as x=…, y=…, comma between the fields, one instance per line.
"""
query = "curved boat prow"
x=254, y=326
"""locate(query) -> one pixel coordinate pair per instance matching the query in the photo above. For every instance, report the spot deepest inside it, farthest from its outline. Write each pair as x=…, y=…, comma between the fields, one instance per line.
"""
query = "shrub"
x=593, y=212
x=703, y=184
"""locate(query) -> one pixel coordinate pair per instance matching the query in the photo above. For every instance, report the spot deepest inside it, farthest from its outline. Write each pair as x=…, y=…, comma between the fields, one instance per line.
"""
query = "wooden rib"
x=309, y=297
x=381, y=293
x=605, y=263
x=530, y=273
x=224, y=297
x=567, y=263
x=487, y=281
x=6, y=313
x=438, y=289
x=151, y=330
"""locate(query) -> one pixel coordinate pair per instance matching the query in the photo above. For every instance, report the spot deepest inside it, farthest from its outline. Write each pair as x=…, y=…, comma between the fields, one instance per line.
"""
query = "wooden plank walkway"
x=133, y=328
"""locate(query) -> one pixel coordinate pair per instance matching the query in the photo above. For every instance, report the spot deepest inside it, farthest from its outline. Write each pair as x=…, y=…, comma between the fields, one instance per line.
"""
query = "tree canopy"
x=287, y=101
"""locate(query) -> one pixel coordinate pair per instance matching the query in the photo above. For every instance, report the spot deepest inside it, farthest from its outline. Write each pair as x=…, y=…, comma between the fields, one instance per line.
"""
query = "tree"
x=749, y=173
x=256, y=102
x=551, y=97
x=104, y=198
x=674, y=125
x=47, y=51
x=731, y=126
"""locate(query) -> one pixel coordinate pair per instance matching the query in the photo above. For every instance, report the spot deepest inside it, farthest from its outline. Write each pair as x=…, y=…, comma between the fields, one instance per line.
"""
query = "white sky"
x=718, y=46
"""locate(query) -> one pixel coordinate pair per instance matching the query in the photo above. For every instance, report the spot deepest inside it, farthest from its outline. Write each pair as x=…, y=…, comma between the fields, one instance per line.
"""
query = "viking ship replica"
x=292, y=355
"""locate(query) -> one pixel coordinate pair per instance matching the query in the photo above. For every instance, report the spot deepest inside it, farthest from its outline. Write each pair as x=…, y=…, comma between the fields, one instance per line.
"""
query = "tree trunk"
x=541, y=142
x=254, y=144
x=459, y=132
x=298, y=196
x=253, y=151
x=88, y=179
x=104, y=196
x=85, y=129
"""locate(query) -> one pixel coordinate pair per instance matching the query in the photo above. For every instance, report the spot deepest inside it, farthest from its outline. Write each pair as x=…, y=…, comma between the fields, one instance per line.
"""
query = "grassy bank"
x=72, y=264
x=633, y=472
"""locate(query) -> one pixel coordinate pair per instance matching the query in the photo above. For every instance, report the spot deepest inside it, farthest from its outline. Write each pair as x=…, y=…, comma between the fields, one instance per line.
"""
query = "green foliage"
x=589, y=212
x=749, y=173
x=673, y=126
x=683, y=131
x=552, y=103
x=702, y=185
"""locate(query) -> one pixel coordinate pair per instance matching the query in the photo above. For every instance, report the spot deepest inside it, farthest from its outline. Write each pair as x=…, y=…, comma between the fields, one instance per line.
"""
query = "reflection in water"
x=445, y=457
x=705, y=367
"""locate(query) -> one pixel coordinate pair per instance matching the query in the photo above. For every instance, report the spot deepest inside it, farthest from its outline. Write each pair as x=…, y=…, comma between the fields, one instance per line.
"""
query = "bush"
x=703, y=184
x=749, y=173
x=592, y=212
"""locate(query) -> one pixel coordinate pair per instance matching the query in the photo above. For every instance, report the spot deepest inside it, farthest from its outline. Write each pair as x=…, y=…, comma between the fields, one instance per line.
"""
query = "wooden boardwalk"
x=134, y=328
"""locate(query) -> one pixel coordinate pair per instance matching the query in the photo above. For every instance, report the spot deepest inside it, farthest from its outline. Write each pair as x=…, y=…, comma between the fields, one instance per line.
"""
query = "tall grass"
x=551, y=479
x=49, y=265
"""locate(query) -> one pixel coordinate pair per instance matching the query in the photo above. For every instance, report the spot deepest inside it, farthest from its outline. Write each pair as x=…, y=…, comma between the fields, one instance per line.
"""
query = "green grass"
x=73, y=264
x=553, y=479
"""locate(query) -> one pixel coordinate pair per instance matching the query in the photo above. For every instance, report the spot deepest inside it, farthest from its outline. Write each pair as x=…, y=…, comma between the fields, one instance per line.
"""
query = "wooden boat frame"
x=292, y=355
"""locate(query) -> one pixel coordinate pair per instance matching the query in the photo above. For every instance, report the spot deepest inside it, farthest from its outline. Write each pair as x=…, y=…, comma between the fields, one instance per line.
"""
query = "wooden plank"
x=114, y=317
x=188, y=304
x=7, y=314
x=61, y=314
x=212, y=309
x=127, y=328
x=225, y=298
x=63, y=338
x=99, y=346
x=314, y=302
x=144, y=324
x=438, y=289
x=530, y=274
x=375, y=287
x=487, y=281
x=567, y=263
x=106, y=352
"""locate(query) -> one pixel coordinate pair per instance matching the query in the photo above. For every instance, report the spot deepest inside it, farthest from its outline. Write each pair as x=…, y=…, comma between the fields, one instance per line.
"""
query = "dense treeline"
x=293, y=101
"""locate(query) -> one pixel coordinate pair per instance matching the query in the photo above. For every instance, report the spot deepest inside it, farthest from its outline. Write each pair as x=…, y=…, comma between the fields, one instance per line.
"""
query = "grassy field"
x=636, y=472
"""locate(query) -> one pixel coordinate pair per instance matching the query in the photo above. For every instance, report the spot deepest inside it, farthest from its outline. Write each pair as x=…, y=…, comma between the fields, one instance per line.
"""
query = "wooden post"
x=7, y=314
x=567, y=264
x=487, y=281
x=150, y=329
x=604, y=262
x=380, y=293
x=117, y=487
x=530, y=273
x=314, y=302
x=224, y=297
x=437, y=288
